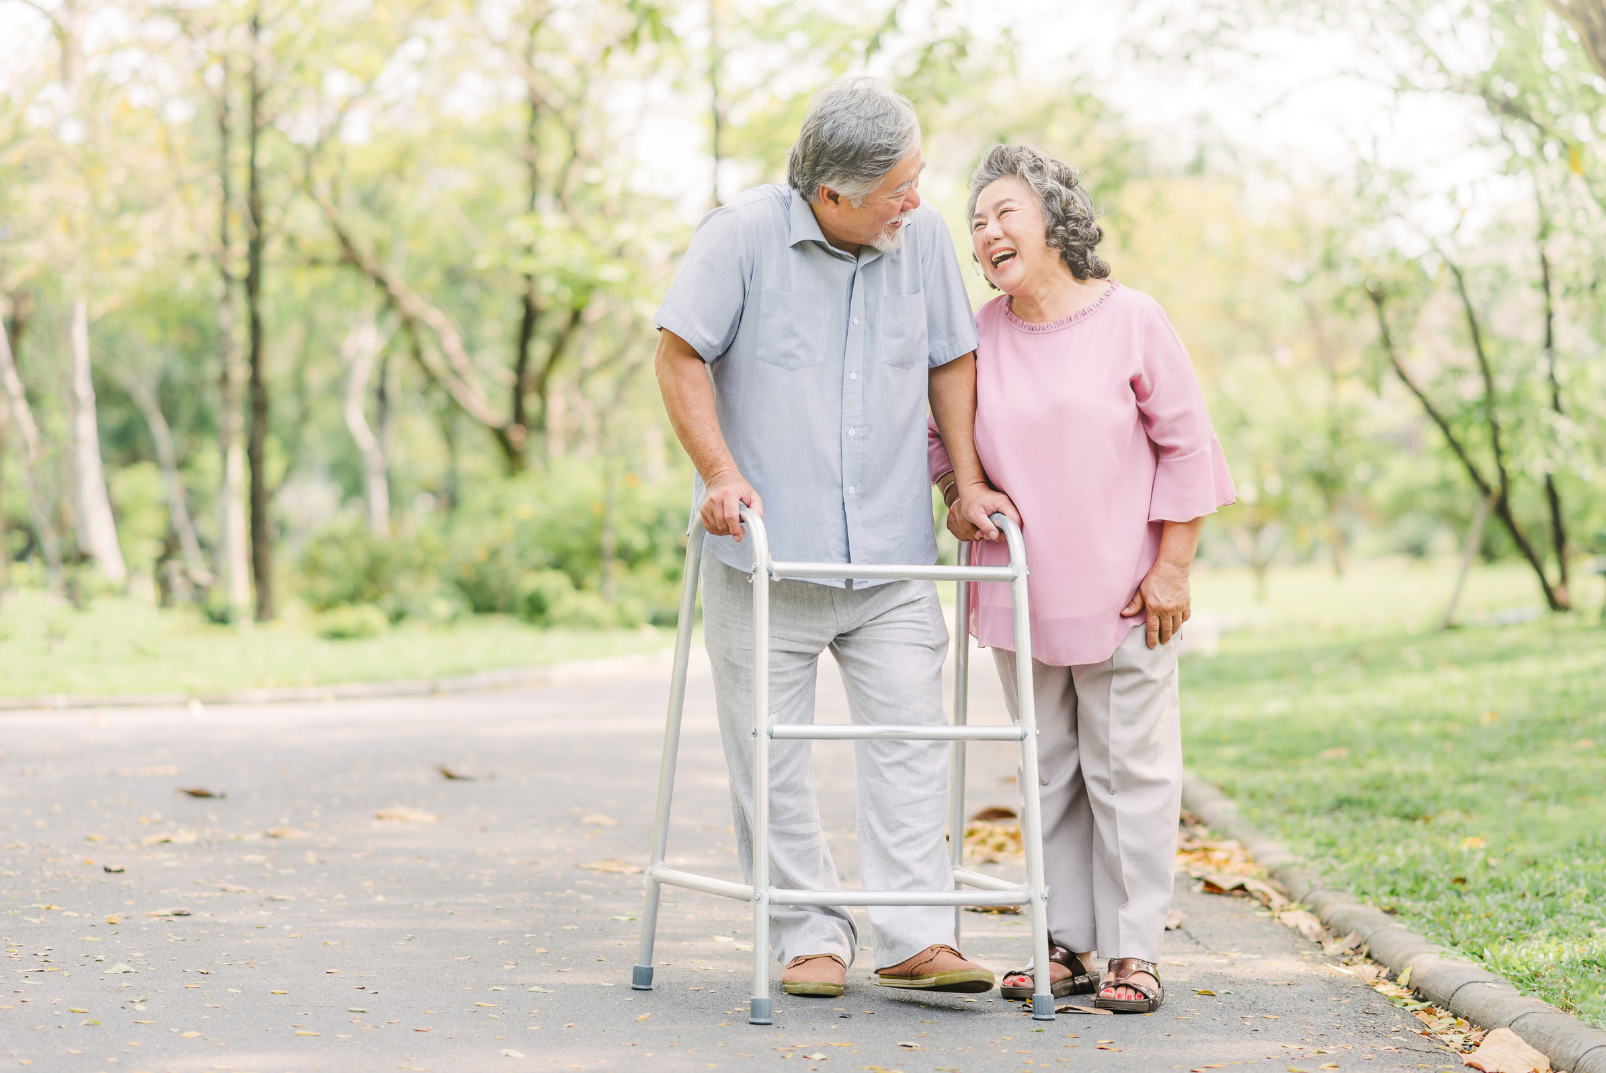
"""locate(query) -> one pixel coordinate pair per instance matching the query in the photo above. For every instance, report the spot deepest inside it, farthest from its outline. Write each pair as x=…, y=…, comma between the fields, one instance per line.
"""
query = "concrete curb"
x=1459, y=986
x=478, y=682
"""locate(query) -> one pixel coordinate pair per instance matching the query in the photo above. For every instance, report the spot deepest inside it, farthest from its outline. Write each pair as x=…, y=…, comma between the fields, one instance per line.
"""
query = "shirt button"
x=853, y=376
x=850, y=432
x=855, y=320
x=850, y=489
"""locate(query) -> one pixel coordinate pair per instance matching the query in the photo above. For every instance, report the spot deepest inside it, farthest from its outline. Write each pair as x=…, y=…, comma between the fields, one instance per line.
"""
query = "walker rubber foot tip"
x=1042, y=1007
x=759, y=1012
x=641, y=977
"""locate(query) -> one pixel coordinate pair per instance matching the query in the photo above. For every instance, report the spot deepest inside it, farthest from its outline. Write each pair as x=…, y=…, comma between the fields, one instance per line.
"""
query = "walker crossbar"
x=991, y=891
x=779, y=571
x=858, y=733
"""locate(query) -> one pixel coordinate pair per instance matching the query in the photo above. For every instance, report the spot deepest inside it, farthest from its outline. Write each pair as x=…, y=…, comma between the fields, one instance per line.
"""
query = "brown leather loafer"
x=937, y=968
x=822, y=975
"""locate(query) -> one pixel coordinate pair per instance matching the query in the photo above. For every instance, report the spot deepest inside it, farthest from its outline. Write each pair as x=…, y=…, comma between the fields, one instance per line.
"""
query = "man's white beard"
x=890, y=240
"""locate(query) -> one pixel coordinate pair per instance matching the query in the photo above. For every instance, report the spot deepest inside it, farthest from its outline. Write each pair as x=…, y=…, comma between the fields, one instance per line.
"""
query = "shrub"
x=351, y=622
x=345, y=565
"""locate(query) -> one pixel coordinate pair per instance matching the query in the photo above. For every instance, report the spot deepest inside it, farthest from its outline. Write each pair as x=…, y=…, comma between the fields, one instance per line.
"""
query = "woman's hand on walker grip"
x=724, y=496
x=970, y=518
x=1164, y=594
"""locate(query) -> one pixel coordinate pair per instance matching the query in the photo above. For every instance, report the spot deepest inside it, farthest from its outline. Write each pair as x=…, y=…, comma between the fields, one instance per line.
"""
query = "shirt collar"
x=806, y=228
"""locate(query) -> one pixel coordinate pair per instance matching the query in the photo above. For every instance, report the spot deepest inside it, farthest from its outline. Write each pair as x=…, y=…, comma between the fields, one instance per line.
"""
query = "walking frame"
x=991, y=891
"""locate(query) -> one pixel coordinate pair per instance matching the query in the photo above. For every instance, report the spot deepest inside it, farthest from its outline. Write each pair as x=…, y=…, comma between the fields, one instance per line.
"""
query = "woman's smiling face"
x=1008, y=233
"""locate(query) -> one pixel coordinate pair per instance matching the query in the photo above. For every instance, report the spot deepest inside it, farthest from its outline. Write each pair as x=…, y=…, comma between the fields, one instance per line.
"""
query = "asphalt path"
x=304, y=933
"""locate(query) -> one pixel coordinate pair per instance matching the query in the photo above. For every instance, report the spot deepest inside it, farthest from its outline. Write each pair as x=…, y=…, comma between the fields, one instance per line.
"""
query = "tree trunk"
x=717, y=113
x=97, y=530
x=178, y=510
x=1589, y=19
x=362, y=346
x=261, y=525
x=1502, y=503
x=1468, y=552
x=28, y=458
x=1558, y=526
x=233, y=559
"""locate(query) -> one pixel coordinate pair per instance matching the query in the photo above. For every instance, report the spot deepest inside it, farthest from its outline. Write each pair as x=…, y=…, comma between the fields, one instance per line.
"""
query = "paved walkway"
x=477, y=943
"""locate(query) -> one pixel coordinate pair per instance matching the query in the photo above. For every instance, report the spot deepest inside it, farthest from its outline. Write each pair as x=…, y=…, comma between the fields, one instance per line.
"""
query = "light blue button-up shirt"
x=819, y=363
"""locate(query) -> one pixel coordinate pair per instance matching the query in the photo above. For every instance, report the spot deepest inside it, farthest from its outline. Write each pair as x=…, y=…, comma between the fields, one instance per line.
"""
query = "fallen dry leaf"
x=286, y=832
x=1305, y=923
x=232, y=888
x=192, y=1034
x=538, y=989
x=599, y=820
x=176, y=911
x=643, y=1017
x=509, y=1052
x=992, y=836
x=1266, y=891
x=1503, y=1051
x=448, y=773
x=1339, y=947
x=199, y=791
x=113, y=918
x=612, y=864
x=1173, y=920
x=404, y=814
x=1073, y=1008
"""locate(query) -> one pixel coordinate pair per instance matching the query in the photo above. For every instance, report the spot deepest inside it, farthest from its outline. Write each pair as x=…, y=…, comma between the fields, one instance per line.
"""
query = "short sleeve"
x=950, y=326
x=704, y=304
x=1191, y=478
x=936, y=451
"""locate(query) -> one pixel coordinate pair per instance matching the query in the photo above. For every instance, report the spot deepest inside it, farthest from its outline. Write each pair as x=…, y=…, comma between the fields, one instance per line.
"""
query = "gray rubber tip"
x=759, y=1013
x=1042, y=1007
x=641, y=977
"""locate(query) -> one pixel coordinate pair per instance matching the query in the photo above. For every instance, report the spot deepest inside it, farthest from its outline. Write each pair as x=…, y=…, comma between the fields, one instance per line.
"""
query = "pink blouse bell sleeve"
x=1191, y=478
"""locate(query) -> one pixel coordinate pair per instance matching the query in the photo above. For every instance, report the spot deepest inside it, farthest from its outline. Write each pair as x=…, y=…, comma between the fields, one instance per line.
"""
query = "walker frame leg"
x=759, y=1009
x=641, y=973
x=956, y=789
x=1031, y=821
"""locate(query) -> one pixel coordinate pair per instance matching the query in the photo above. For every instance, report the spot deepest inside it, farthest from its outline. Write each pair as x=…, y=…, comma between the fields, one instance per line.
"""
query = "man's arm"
x=689, y=398
x=951, y=389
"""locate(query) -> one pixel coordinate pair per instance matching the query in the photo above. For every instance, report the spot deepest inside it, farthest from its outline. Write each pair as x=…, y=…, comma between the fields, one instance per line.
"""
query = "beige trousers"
x=1110, y=764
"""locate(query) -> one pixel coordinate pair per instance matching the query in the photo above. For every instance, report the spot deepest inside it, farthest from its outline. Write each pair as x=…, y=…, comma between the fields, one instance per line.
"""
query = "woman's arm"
x=952, y=393
x=1164, y=590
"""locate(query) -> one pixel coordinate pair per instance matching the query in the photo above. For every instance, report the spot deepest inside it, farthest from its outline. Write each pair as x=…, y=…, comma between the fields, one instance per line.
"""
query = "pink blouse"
x=1096, y=427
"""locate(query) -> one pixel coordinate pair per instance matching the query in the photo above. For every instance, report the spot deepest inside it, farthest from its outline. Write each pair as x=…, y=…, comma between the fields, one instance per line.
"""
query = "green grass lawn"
x=1457, y=779
x=121, y=645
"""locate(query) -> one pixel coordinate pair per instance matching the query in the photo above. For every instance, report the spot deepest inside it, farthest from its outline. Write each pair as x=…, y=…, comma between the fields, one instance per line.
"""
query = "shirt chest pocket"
x=791, y=329
x=903, y=330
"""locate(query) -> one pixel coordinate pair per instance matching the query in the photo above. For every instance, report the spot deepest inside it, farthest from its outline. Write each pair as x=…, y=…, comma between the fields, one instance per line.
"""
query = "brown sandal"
x=1119, y=973
x=1081, y=981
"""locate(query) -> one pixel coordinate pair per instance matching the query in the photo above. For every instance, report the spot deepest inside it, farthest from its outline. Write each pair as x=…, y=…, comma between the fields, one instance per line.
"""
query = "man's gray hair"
x=1068, y=212
x=855, y=131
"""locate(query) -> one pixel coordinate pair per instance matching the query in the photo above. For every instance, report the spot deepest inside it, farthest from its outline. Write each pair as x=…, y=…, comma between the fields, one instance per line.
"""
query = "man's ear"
x=827, y=194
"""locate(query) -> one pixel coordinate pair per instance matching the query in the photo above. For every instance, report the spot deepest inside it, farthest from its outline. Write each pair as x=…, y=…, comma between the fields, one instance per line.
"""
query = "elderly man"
x=799, y=345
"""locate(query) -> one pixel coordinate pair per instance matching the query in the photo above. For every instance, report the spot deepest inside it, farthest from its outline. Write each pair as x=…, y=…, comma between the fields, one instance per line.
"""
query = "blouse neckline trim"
x=1056, y=325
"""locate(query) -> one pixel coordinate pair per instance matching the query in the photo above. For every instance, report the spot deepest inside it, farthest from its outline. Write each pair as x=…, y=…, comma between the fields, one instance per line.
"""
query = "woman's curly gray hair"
x=1072, y=221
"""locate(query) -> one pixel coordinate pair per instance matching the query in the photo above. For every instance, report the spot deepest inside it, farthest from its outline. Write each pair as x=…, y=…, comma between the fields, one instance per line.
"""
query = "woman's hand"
x=1164, y=590
x=970, y=513
x=1164, y=593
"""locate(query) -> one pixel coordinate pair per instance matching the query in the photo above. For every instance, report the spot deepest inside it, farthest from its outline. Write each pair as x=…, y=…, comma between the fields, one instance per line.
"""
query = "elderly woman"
x=1090, y=418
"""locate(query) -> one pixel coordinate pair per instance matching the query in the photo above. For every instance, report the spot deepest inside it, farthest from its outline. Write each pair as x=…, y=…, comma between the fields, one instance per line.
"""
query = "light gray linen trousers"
x=1109, y=755
x=890, y=641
